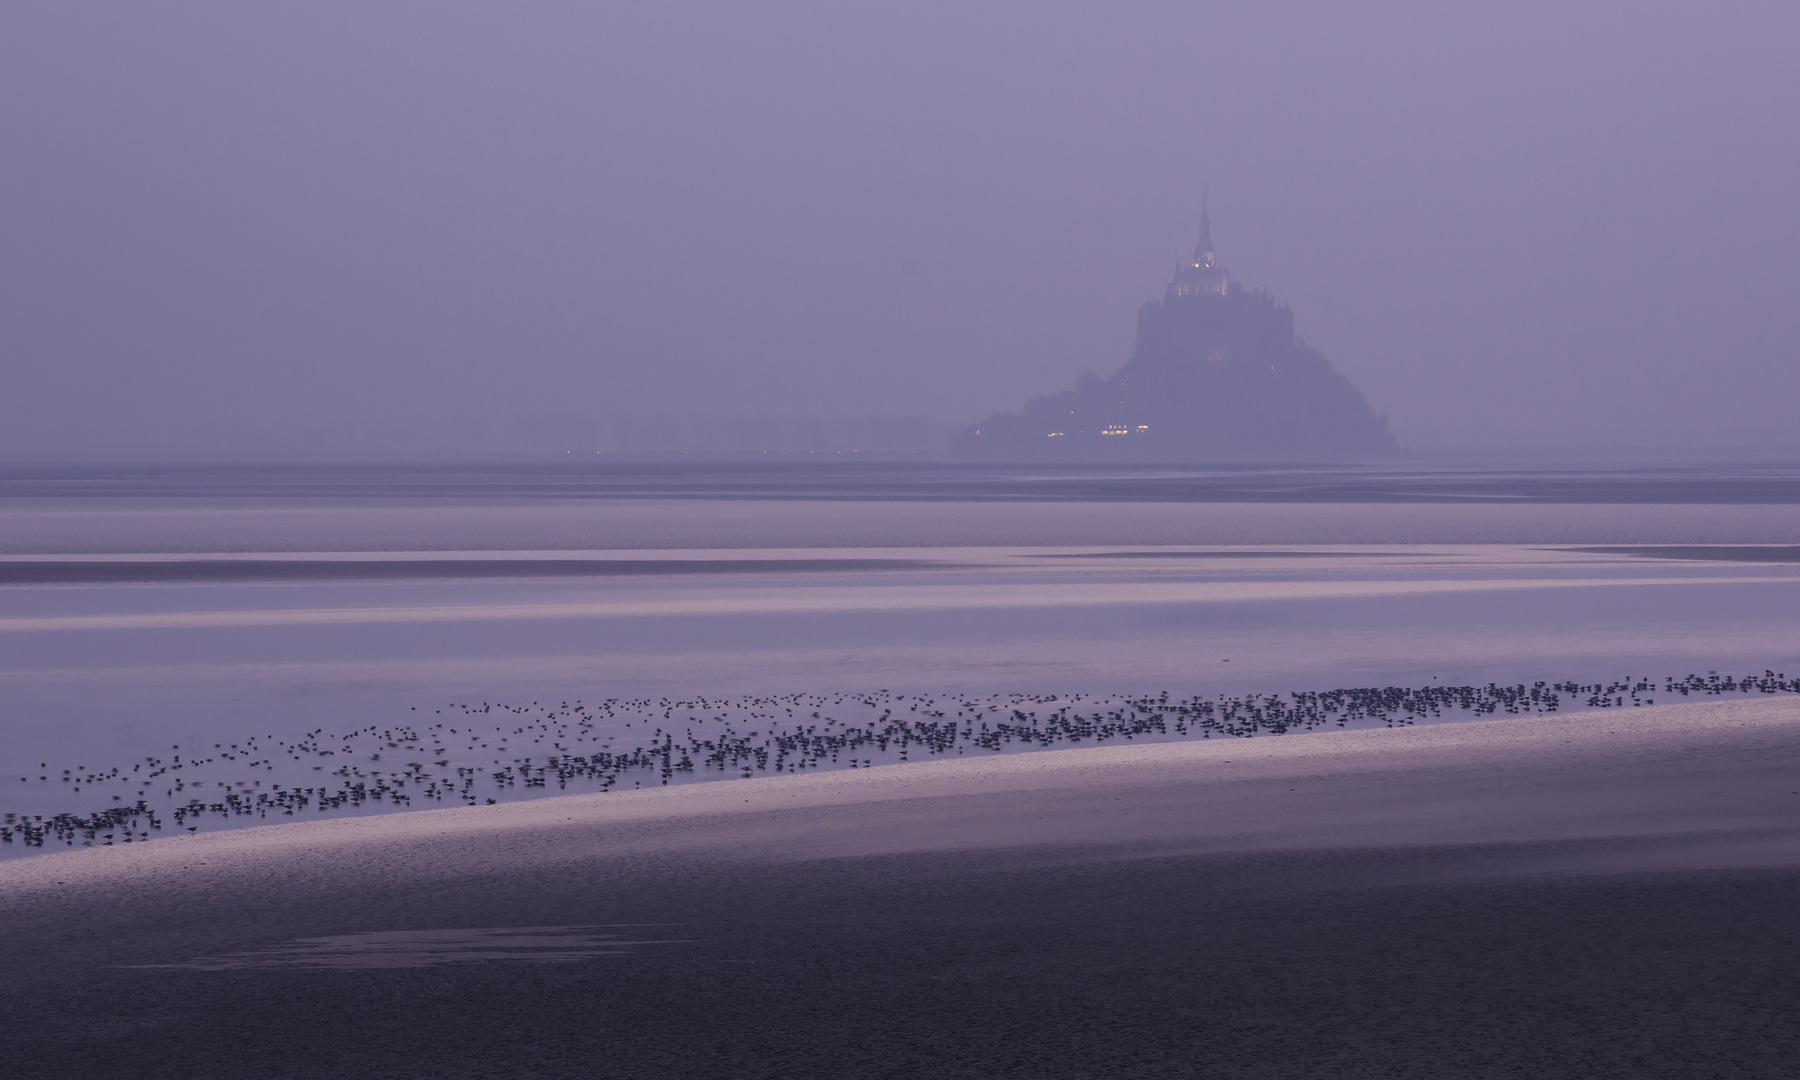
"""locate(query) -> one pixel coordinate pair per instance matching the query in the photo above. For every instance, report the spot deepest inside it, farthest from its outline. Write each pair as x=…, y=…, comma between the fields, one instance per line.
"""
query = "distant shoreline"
x=1734, y=482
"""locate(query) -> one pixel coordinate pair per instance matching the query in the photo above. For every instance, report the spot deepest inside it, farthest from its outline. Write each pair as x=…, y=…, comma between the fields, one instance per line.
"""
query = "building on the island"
x=1203, y=274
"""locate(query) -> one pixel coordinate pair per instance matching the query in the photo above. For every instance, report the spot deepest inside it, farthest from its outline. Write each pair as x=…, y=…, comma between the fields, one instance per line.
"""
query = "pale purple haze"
x=311, y=229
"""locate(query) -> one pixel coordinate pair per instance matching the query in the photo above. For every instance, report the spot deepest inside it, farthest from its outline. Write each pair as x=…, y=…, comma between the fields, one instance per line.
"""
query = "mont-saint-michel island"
x=1217, y=374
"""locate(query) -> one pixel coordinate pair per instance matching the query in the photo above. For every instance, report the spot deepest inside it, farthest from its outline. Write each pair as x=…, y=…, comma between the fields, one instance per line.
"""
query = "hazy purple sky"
x=237, y=227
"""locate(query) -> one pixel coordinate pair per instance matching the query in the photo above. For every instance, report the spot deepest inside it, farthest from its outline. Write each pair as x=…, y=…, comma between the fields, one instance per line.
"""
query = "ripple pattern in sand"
x=424, y=948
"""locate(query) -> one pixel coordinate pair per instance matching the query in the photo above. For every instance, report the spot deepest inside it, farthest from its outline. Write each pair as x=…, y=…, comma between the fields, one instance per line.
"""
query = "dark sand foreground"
x=1596, y=895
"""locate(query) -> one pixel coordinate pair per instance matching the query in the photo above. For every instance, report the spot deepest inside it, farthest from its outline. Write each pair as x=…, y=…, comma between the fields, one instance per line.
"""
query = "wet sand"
x=93, y=571
x=1591, y=895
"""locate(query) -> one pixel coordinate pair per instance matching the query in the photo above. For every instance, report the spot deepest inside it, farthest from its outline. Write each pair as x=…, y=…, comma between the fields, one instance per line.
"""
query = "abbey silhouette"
x=1217, y=375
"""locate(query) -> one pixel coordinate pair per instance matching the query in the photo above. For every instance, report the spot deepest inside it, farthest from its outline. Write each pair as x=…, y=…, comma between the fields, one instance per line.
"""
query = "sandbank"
x=1692, y=784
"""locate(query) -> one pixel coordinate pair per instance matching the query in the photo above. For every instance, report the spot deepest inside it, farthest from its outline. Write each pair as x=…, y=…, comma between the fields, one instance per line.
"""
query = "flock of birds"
x=472, y=754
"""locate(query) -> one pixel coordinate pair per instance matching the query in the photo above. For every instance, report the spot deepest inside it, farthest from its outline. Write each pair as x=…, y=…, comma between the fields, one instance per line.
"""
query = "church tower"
x=1202, y=275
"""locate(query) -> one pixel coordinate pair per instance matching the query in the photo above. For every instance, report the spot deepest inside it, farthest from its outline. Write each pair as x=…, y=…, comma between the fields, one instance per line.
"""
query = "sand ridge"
x=1723, y=776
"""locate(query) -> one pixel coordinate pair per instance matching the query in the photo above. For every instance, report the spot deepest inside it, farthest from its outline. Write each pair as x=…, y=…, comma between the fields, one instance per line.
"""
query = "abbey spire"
x=1203, y=251
x=1201, y=275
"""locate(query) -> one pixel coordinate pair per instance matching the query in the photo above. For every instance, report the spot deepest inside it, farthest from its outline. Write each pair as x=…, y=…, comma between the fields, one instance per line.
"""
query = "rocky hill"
x=1217, y=375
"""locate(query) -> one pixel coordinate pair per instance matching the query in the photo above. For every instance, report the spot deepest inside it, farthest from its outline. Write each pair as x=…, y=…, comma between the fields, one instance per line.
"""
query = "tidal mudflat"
x=1464, y=899
x=1478, y=782
x=218, y=691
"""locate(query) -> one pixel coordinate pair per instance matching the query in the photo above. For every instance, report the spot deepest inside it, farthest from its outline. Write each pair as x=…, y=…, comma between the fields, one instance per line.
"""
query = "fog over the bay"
x=327, y=229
